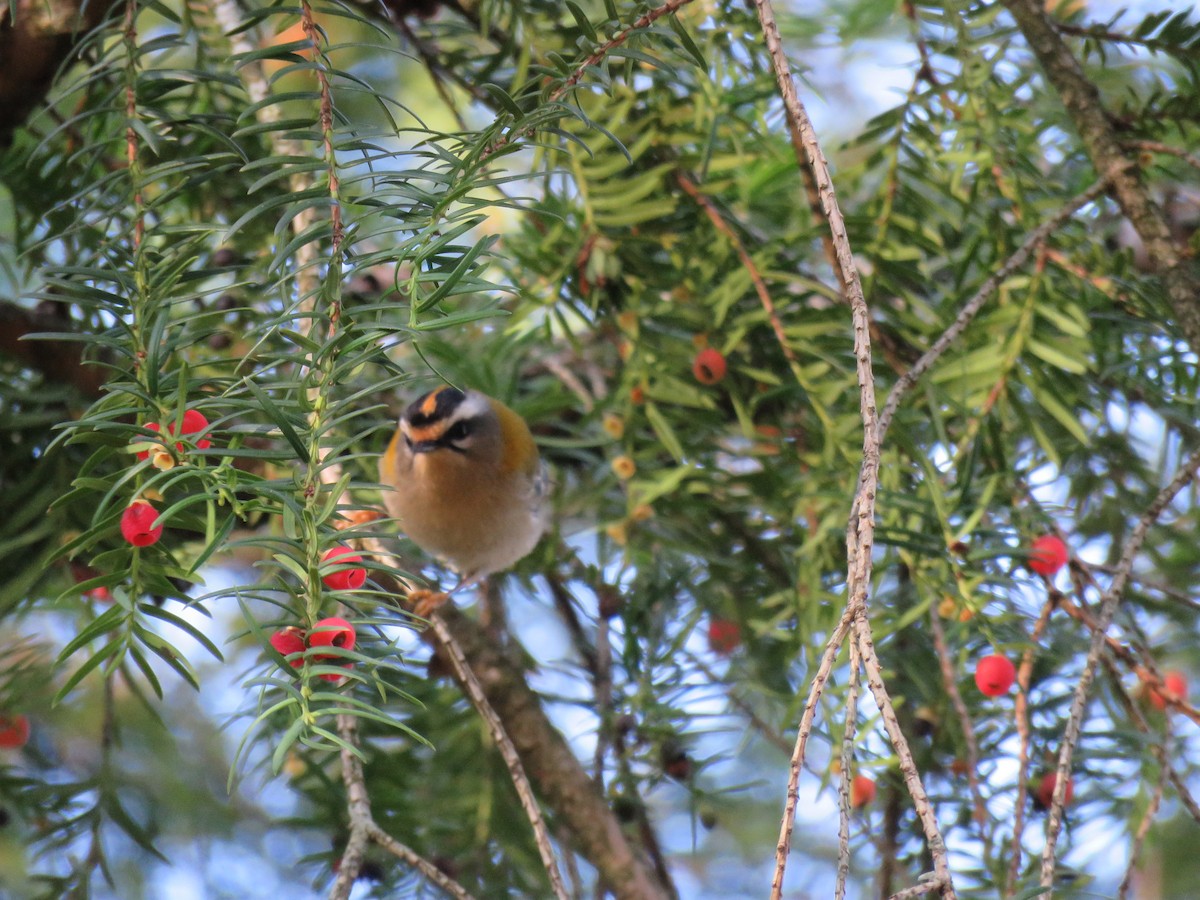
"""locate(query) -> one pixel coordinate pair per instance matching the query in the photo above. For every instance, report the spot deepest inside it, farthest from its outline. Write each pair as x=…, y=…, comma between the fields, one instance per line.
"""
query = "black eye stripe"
x=435, y=406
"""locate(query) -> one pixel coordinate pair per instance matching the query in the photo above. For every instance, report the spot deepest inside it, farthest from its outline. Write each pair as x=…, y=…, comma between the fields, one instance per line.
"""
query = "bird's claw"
x=425, y=602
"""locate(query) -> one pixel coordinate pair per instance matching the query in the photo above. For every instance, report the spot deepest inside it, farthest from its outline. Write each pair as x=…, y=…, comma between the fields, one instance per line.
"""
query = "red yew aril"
x=1174, y=686
x=1045, y=791
x=332, y=632
x=994, y=675
x=288, y=641
x=347, y=579
x=862, y=791
x=14, y=731
x=724, y=636
x=709, y=366
x=137, y=522
x=1047, y=555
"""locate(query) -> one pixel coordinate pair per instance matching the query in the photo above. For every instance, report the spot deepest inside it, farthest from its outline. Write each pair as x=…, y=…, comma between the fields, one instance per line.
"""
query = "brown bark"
x=1083, y=104
x=34, y=44
x=60, y=361
x=552, y=767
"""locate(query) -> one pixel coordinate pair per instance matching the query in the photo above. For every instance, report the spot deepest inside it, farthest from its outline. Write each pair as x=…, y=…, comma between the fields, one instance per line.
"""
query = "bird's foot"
x=425, y=603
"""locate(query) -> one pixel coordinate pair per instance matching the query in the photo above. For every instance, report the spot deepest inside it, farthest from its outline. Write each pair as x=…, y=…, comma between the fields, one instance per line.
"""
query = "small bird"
x=469, y=485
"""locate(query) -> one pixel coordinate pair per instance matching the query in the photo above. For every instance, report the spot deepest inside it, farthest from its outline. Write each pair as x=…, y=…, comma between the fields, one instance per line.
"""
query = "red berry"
x=344, y=579
x=100, y=594
x=332, y=632
x=1047, y=555
x=149, y=426
x=1045, y=790
x=1174, y=687
x=136, y=524
x=994, y=675
x=724, y=636
x=288, y=641
x=193, y=422
x=14, y=731
x=862, y=791
x=709, y=366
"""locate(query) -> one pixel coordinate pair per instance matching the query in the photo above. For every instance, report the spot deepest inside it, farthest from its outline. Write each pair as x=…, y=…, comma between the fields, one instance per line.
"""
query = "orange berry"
x=862, y=791
x=1174, y=687
x=624, y=467
x=613, y=425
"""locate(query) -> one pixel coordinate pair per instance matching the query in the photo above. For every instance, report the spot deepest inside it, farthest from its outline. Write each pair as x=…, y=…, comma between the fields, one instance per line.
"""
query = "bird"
x=464, y=480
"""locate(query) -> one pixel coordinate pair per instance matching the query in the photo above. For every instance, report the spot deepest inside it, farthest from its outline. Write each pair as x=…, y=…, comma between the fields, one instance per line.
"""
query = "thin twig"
x=844, y=789
x=972, y=307
x=358, y=807
x=418, y=862
x=1143, y=829
x=796, y=764
x=475, y=694
x=760, y=285
x=1108, y=608
x=861, y=528
x=596, y=57
x=950, y=685
x=919, y=890
x=908, y=766
x=1021, y=717
x=1159, y=147
x=615, y=41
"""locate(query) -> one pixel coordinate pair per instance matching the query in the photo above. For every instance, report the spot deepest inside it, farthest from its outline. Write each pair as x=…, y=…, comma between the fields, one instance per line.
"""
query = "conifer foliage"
x=873, y=447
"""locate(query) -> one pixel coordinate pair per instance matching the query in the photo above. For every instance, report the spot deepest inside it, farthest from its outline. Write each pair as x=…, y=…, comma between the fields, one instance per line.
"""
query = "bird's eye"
x=457, y=432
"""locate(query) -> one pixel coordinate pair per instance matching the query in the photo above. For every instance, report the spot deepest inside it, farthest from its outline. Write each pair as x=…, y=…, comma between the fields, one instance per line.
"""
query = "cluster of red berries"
x=995, y=674
x=292, y=642
x=137, y=521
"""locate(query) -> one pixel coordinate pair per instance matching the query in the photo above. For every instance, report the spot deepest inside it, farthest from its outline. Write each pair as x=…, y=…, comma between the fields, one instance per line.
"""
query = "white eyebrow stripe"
x=473, y=406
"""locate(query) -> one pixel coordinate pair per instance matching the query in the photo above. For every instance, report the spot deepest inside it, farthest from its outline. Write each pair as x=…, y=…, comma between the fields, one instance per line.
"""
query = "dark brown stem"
x=1082, y=101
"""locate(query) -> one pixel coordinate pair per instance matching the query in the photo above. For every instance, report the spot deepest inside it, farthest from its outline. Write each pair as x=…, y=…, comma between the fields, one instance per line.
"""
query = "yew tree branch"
x=971, y=308
x=861, y=528
x=1083, y=104
x=1108, y=608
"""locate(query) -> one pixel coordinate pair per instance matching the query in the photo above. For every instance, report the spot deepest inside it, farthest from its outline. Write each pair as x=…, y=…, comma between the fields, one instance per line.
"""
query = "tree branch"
x=34, y=43
x=1083, y=104
x=1108, y=608
x=58, y=361
x=560, y=777
x=971, y=308
x=861, y=528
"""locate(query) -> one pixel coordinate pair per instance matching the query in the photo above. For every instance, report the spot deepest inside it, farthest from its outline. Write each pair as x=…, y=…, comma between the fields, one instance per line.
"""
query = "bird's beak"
x=423, y=446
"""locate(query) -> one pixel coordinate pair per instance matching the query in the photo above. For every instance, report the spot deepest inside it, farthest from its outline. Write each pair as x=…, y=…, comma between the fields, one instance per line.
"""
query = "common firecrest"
x=469, y=486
